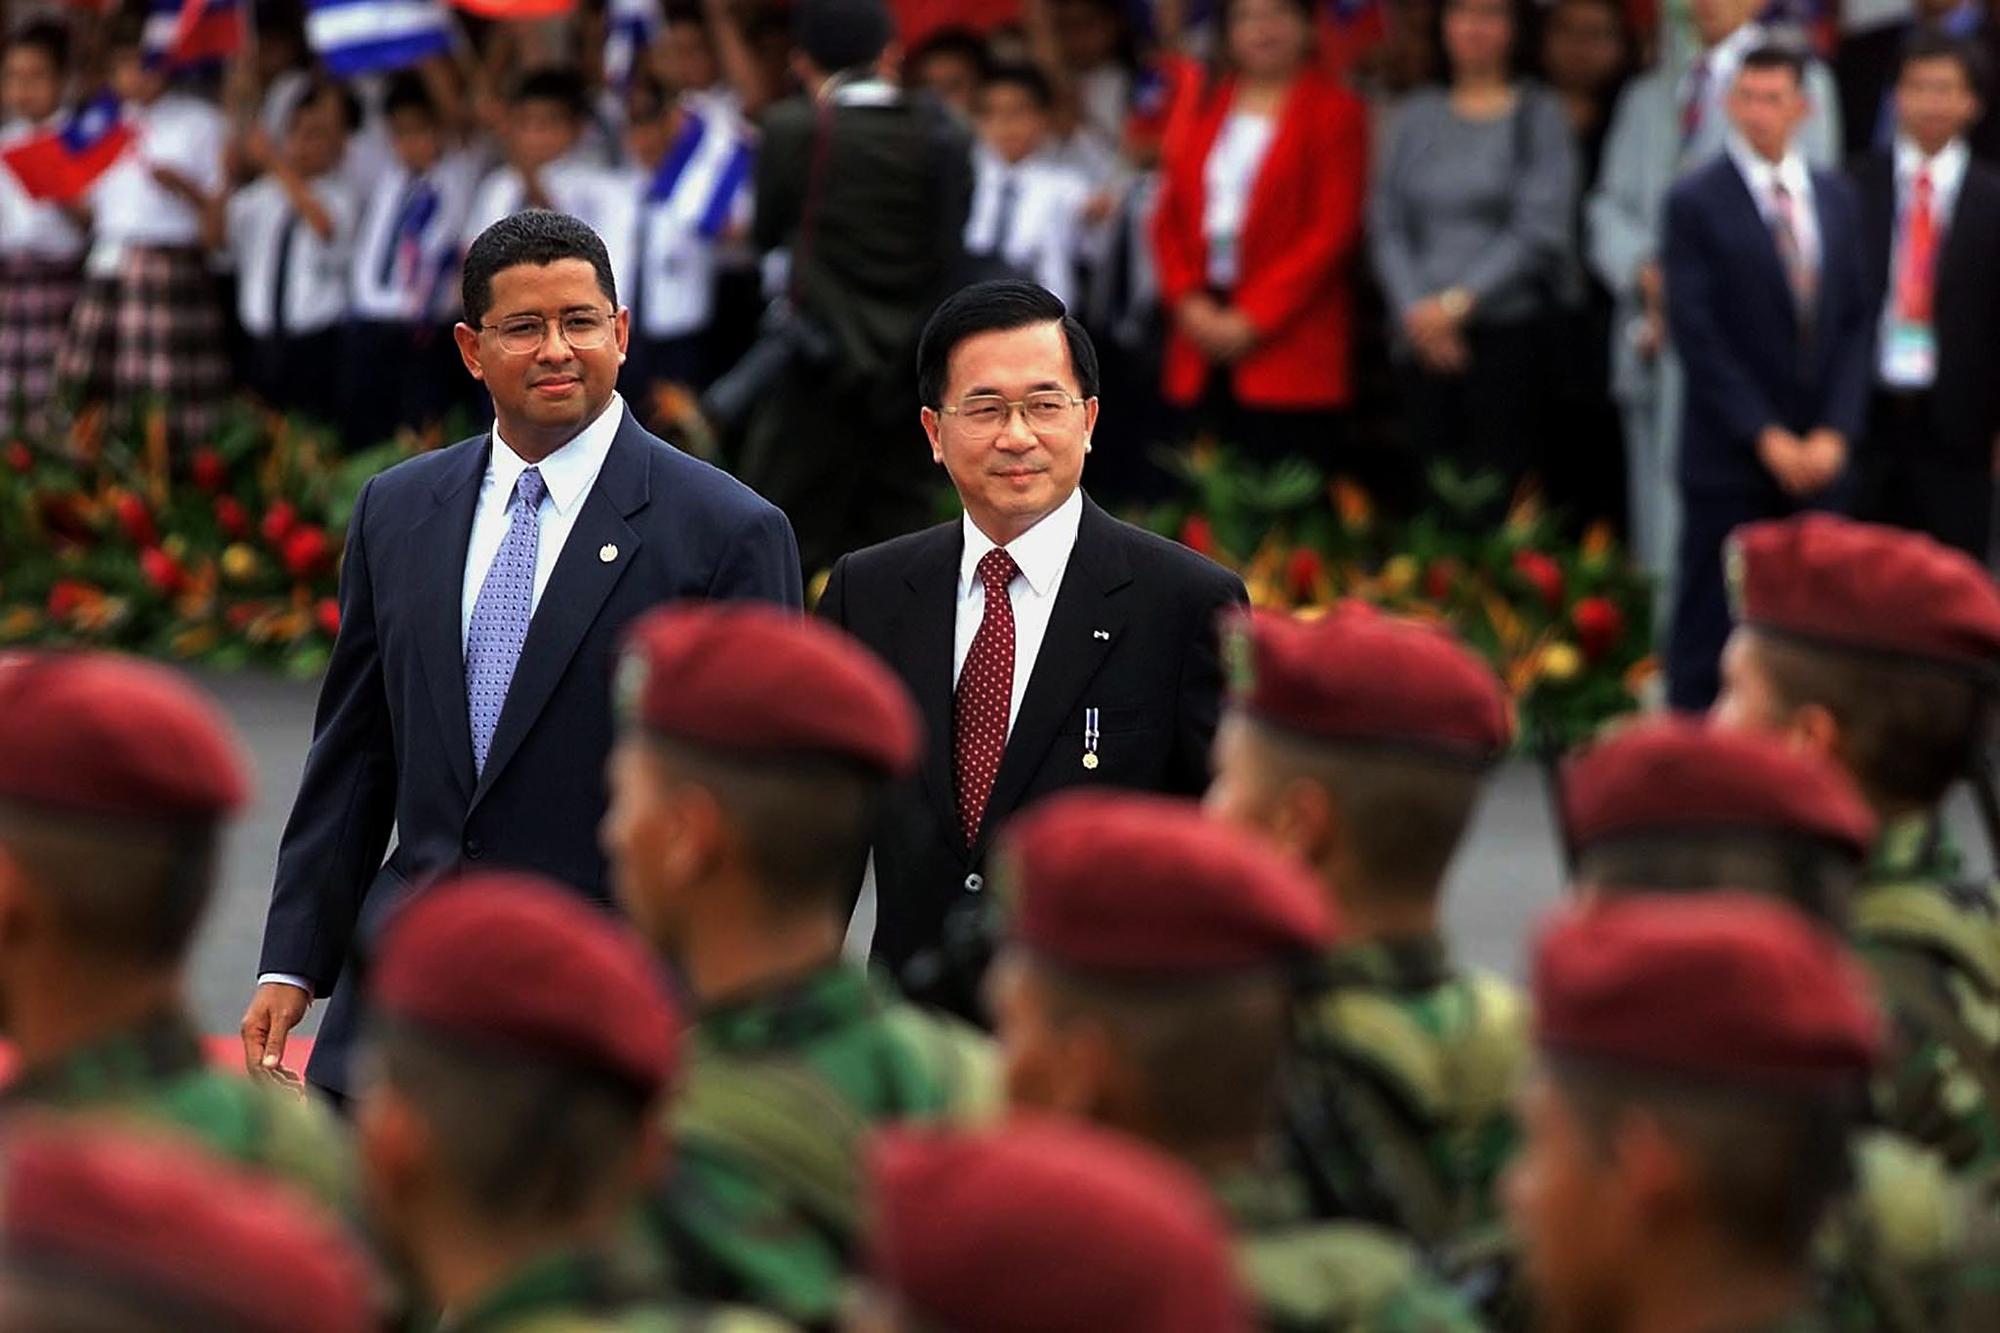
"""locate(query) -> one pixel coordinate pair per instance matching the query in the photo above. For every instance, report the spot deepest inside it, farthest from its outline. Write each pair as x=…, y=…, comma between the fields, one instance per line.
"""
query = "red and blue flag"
x=64, y=162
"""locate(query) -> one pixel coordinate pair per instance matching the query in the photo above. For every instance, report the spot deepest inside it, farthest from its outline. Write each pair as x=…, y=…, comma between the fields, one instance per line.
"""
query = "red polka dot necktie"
x=985, y=694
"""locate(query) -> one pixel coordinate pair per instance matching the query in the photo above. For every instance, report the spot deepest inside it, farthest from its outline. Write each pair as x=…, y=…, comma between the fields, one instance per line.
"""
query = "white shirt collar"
x=1042, y=551
x=568, y=472
x=1947, y=168
x=1762, y=174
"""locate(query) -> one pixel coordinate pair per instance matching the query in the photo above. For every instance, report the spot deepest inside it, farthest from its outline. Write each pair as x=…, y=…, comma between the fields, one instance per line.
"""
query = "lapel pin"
x=1100, y=634
x=1090, y=734
x=607, y=553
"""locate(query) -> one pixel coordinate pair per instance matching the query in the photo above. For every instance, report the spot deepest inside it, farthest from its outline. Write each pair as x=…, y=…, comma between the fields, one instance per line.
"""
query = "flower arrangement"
x=1567, y=625
x=226, y=555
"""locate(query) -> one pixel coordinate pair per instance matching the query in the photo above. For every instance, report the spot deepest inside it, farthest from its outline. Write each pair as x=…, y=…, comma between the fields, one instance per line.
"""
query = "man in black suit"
x=1870, y=63
x=1770, y=314
x=1048, y=644
x=1930, y=216
x=483, y=592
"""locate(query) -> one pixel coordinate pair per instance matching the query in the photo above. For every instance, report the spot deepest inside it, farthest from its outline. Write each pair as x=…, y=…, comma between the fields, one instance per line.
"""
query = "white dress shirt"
x=129, y=207
x=1761, y=175
x=1044, y=232
x=568, y=475
x=315, y=282
x=1947, y=171
x=1043, y=553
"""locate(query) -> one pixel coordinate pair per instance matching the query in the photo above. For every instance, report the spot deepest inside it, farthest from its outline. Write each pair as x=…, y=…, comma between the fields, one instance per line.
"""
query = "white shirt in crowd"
x=130, y=208
x=1761, y=175
x=35, y=228
x=392, y=281
x=1898, y=365
x=600, y=197
x=1043, y=553
x=1227, y=179
x=705, y=193
x=311, y=290
x=1028, y=214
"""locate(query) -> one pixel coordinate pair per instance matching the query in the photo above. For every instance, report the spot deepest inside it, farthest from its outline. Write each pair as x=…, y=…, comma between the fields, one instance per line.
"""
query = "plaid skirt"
x=153, y=334
x=36, y=298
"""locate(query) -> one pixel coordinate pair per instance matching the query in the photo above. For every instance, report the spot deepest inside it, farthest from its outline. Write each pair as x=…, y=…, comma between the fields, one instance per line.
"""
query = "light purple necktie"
x=500, y=616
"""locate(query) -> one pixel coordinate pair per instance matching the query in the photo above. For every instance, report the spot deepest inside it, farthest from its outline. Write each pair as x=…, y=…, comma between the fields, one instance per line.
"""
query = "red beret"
x=1047, y=1227
x=1856, y=585
x=456, y=957
x=1729, y=987
x=746, y=677
x=167, y=1224
x=104, y=735
x=1112, y=881
x=1675, y=775
x=1356, y=674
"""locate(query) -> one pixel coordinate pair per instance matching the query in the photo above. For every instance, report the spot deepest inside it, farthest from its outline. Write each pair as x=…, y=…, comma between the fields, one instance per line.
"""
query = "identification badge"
x=1909, y=358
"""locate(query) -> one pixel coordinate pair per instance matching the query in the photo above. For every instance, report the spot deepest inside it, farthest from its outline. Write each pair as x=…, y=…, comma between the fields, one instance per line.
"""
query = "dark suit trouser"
x=1700, y=623
x=1910, y=478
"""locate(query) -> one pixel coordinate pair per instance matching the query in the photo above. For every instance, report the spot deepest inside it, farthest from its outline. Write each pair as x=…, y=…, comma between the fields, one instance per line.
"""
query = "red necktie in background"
x=985, y=694
x=1917, y=276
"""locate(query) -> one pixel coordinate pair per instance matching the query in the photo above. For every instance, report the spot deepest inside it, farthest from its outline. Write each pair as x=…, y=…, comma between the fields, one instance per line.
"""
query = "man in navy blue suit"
x=483, y=593
x=1768, y=308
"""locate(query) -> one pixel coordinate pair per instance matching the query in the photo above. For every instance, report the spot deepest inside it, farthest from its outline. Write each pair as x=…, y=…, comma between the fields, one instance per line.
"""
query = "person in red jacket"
x=1263, y=170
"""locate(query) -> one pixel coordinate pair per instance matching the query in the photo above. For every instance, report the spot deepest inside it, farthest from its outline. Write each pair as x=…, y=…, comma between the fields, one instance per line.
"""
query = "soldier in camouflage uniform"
x=509, y=1117
x=1878, y=647
x=1045, y=1226
x=1359, y=743
x=116, y=781
x=755, y=749
x=1145, y=985
x=1699, y=1062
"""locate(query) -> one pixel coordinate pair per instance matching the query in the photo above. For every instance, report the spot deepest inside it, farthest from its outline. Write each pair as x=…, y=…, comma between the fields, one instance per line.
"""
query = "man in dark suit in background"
x=1769, y=311
x=483, y=593
x=1870, y=63
x=1930, y=216
x=1048, y=644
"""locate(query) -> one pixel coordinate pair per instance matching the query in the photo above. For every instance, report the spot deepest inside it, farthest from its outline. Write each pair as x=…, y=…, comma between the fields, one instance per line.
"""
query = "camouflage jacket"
x=156, y=1072
x=1893, y=1255
x=1400, y=1106
x=1933, y=943
x=781, y=1090
x=1309, y=1276
x=584, y=1292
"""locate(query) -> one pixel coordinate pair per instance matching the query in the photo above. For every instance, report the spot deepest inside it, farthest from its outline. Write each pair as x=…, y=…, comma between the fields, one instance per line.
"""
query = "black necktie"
x=1003, y=216
x=281, y=281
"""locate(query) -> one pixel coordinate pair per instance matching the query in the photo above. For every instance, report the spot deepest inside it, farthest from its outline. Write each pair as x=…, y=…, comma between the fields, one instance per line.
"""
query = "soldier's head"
x=116, y=780
x=1871, y=645
x=755, y=751
x=1359, y=743
x=1700, y=1062
x=513, y=1086
x=1677, y=805
x=1150, y=963
x=108, y=1229
x=1039, y=1227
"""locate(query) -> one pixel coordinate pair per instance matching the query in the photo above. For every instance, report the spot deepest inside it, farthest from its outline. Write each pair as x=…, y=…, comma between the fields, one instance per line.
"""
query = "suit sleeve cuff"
x=286, y=979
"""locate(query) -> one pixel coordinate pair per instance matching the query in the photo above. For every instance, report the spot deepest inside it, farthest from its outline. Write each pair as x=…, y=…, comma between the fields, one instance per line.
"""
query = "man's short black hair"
x=842, y=35
x=1777, y=55
x=955, y=42
x=538, y=236
x=999, y=306
x=407, y=91
x=552, y=83
x=1027, y=78
x=1931, y=42
x=48, y=37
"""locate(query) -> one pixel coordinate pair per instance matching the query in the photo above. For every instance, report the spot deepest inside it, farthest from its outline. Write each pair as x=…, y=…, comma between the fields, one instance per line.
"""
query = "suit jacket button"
x=974, y=883
x=474, y=849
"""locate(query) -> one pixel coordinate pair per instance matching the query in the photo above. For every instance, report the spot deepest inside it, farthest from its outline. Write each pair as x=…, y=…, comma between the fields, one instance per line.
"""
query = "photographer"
x=867, y=189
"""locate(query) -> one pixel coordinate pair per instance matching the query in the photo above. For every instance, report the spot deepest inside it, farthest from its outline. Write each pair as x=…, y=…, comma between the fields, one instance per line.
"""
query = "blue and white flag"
x=630, y=26
x=376, y=36
x=705, y=177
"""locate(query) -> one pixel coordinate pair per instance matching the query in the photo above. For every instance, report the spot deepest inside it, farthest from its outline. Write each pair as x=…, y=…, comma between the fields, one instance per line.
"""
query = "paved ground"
x=1504, y=877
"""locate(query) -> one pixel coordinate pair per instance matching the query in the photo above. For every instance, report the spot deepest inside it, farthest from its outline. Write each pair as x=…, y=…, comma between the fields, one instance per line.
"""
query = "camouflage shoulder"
x=962, y=1062
x=1464, y=1045
x=1345, y=1277
x=1886, y=1254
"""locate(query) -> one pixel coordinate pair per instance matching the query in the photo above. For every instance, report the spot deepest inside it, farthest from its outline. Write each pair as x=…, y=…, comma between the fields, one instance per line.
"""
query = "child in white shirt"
x=1027, y=212
x=41, y=243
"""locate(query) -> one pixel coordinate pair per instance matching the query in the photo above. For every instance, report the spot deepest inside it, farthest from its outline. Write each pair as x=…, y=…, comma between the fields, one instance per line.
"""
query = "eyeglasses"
x=583, y=330
x=985, y=415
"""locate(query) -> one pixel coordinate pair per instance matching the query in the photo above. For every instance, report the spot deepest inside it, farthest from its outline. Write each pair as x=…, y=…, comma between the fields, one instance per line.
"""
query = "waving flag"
x=630, y=27
x=62, y=163
x=705, y=174
x=179, y=33
x=374, y=36
x=516, y=9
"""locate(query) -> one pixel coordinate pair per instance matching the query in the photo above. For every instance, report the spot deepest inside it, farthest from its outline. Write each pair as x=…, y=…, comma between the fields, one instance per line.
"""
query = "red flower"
x=1198, y=535
x=240, y=614
x=1599, y=625
x=210, y=472
x=305, y=551
x=1303, y=572
x=232, y=517
x=137, y=520
x=1542, y=574
x=279, y=520
x=161, y=570
x=18, y=457
x=67, y=597
x=327, y=613
x=1440, y=578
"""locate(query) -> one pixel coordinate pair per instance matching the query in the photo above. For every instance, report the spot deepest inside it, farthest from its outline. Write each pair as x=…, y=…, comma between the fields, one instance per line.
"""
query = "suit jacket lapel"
x=575, y=593
x=924, y=648
x=1083, y=625
x=1765, y=254
x=438, y=589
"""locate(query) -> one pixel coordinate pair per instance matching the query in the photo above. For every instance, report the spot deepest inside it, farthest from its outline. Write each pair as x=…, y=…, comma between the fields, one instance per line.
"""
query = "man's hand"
x=1785, y=456
x=274, y=1011
x=1427, y=323
x=1826, y=452
x=1233, y=335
